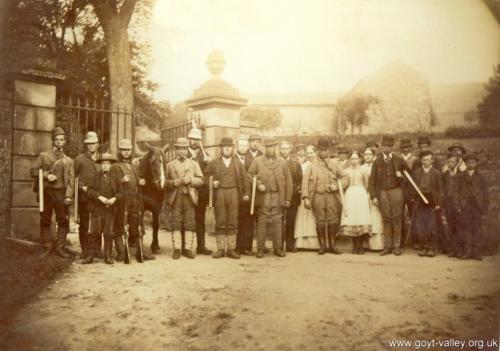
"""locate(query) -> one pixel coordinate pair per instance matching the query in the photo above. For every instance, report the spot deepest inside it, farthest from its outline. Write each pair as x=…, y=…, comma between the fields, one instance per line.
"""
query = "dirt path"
x=302, y=302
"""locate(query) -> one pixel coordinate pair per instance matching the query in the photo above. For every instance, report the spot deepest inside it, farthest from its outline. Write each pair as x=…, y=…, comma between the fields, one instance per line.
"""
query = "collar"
x=427, y=169
x=254, y=153
x=471, y=172
x=407, y=156
x=387, y=157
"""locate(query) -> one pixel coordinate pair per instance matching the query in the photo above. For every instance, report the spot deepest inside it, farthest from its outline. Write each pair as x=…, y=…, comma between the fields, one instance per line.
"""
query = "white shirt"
x=254, y=153
x=387, y=156
x=426, y=169
x=471, y=172
x=226, y=160
x=407, y=156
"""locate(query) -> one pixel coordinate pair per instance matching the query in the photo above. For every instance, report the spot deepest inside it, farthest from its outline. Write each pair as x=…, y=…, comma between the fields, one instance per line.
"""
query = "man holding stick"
x=386, y=190
x=57, y=191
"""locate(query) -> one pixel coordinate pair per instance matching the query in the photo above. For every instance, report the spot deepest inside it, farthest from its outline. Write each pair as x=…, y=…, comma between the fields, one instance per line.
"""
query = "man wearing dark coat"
x=450, y=178
x=291, y=211
x=386, y=190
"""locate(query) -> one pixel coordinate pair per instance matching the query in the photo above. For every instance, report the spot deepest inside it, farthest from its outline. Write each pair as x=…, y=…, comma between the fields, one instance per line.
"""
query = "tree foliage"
x=489, y=107
x=352, y=112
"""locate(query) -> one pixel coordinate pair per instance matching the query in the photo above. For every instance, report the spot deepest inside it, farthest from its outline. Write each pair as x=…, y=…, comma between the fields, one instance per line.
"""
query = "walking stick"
x=283, y=230
x=77, y=219
x=424, y=199
x=254, y=189
x=40, y=190
x=210, y=191
x=126, y=256
x=142, y=232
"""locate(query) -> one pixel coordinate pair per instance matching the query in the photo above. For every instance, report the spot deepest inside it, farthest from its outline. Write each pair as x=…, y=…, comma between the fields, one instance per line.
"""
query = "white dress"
x=356, y=219
x=305, y=224
x=376, y=239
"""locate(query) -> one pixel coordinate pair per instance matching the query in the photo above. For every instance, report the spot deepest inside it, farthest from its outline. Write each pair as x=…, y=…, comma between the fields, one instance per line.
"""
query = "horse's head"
x=156, y=163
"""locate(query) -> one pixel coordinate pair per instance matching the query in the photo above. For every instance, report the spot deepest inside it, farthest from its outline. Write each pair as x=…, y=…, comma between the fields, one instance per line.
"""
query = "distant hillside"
x=451, y=101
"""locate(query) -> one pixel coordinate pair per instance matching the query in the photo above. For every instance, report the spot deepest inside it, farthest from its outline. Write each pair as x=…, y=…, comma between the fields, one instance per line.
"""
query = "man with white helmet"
x=196, y=153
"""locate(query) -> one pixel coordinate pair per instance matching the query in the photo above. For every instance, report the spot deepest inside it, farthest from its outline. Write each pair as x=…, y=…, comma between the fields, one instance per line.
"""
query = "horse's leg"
x=155, y=247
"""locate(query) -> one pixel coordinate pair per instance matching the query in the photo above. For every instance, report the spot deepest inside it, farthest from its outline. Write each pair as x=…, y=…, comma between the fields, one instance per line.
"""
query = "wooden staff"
x=341, y=193
x=77, y=219
x=40, y=190
x=424, y=199
x=211, y=191
x=254, y=190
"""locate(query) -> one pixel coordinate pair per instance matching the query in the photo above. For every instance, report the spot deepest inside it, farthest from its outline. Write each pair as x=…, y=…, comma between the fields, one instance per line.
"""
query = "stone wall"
x=5, y=161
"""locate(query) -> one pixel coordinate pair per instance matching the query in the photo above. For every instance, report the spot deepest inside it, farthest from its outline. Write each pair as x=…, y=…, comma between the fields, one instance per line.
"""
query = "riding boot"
x=201, y=248
x=98, y=252
x=332, y=232
x=84, y=242
x=91, y=247
x=61, y=241
x=119, y=247
x=108, y=247
x=320, y=231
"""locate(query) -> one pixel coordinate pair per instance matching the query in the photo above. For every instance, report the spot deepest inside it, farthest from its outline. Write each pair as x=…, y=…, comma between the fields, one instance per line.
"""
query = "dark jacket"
x=450, y=187
x=375, y=180
x=296, y=173
x=435, y=195
x=85, y=170
x=249, y=158
x=263, y=168
x=203, y=189
x=474, y=186
x=214, y=168
x=97, y=187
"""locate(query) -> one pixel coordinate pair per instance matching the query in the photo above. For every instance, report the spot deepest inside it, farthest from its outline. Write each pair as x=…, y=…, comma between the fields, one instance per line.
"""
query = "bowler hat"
x=57, y=131
x=457, y=146
x=106, y=157
x=423, y=140
x=300, y=147
x=323, y=144
x=387, y=140
x=125, y=144
x=181, y=142
x=270, y=142
x=405, y=143
x=342, y=149
x=471, y=156
x=371, y=143
x=254, y=137
x=91, y=138
x=226, y=141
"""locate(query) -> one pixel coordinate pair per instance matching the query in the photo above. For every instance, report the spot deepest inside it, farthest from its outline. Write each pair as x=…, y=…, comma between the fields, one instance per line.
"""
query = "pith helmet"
x=195, y=133
x=125, y=144
x=91, y=138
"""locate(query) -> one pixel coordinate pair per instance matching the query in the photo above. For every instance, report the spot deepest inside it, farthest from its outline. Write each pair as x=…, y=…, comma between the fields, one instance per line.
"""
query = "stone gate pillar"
x=217, y=104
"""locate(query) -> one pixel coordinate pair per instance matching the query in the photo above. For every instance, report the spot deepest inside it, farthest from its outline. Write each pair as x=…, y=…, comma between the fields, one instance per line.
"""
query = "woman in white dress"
x=356, y=220
x=376, y=240
x=305, y=223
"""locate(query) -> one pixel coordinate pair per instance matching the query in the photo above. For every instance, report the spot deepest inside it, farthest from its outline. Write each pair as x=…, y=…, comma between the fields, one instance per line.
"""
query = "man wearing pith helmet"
x=58, y=191
x=86, y=169
x=131, y=202
x=196, y=153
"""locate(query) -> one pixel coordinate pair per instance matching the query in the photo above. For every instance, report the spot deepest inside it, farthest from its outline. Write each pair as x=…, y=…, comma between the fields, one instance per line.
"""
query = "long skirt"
x=305, y=229
x=376, y=239
x=356, y=219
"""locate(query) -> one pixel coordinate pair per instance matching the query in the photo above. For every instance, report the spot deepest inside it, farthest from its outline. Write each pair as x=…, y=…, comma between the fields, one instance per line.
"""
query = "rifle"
x=209, y=211
x=77, y=220
x=142, y=232
x=126, y=256
x=283, y=230
x=40, y=190
x=254, y=189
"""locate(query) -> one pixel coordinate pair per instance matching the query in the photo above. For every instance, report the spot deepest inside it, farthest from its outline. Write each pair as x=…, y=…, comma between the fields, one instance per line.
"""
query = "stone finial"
x=215, y=62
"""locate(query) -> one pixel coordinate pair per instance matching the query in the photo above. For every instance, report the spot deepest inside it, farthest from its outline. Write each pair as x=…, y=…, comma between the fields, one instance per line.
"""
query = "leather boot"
x=201, y=249
x=219, y=254
x=361, y=249
x=90, y=250
x=190, y=254
x=320, y=231
x=332, y=232
x=279, y=253
x=233, y=254
x=423, y=252
x=84, y=242
x=98, y=250
x=108, y=247
x=177, y=254
x=119, y=248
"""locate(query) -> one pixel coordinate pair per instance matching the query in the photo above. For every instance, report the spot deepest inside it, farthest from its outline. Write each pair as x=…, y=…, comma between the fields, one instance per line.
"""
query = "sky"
x=310, y=46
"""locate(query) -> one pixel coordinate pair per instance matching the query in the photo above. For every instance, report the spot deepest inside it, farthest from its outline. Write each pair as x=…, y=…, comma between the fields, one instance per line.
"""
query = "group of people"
x=303, y=197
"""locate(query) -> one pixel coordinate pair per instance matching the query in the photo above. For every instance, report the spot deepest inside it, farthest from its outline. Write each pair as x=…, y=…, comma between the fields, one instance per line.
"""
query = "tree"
x=489, y=107
x=471, y=117
x=352, y=112
x=265, y=118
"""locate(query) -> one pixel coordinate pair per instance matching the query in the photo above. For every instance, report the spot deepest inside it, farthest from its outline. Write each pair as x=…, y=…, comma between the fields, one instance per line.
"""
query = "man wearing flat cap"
x=86, y=169
x=253, y=148
x=230, y=189
x=320, y=192
x=457, y=150
x=184, y=177
x=274, y=193
x=58, y=191
x=386, y=184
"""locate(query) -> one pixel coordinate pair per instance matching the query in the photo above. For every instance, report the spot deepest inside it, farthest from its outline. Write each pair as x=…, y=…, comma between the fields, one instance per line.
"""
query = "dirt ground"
x=301, y=302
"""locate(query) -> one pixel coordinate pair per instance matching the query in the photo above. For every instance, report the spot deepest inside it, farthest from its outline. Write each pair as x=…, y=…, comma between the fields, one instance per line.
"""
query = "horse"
x=152, y=167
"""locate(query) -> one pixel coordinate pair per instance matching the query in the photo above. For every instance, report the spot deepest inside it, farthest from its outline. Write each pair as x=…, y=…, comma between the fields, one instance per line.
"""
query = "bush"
x=473, y=132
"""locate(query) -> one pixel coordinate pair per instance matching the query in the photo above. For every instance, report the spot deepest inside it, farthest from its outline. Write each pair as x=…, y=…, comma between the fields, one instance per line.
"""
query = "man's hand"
x=126, y=179
x=375, y=201
x=103, y=200
x=142, y=181
x=246, y=198
x=51, y=178
x=112, y=201
x=186, y=180
x=85, y=188
x=307, y=203
x=287, y=203
x=216, y=184
x=68, y=201
x=206, y=158
x=437, y=208
x=399, y=174
x=177, y=182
